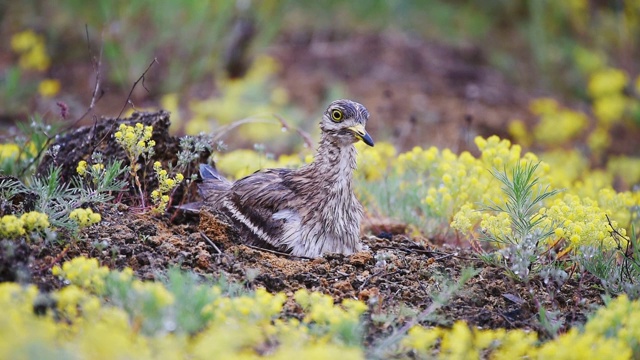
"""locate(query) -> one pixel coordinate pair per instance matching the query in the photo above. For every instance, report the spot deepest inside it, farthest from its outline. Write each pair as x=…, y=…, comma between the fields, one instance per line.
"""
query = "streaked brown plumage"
x=307, y=211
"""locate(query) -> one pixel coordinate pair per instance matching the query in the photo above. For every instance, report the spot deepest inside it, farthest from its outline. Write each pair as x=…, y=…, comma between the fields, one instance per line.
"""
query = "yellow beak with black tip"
x=361, y=134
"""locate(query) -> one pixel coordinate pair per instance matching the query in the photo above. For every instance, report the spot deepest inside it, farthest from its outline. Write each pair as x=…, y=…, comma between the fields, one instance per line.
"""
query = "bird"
x=305, y=212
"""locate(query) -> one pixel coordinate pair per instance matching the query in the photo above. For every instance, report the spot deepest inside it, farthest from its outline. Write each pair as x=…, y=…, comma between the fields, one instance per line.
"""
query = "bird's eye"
x=336, y=115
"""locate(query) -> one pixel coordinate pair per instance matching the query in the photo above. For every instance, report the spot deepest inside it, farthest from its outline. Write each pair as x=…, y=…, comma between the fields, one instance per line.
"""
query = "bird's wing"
x=265, y=206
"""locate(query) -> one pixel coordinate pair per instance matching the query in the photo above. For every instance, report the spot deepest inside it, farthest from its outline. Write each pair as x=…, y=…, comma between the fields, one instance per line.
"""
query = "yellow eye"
x=336, y=115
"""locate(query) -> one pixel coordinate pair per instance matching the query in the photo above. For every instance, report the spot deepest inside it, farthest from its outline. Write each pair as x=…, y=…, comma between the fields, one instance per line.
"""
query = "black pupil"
x=336, y=115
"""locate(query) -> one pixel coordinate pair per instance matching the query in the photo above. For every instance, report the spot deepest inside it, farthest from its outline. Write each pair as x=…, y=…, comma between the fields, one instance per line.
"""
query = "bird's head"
x=344, y=121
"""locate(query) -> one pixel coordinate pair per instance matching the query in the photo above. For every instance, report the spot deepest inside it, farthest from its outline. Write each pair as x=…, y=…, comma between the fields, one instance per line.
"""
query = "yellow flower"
x=171, y=103
x=33, y=54
x=610, y=108
x=24, y=41
x=94, y=218
x=518, y=130
x=599, y=140
x=84, y=217
x=587, y=61
x=279, y=96
x=11, y=226
x=559, y=126
x=543, y=106
x=49, y=88
x=9, y=151
x=34, y=220
x=608, y=81
x=82, y=168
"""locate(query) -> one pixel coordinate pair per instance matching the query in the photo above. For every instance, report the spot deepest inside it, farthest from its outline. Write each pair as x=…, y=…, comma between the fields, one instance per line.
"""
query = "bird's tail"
x=213, y=186
x=212, y=178
x=209, y=172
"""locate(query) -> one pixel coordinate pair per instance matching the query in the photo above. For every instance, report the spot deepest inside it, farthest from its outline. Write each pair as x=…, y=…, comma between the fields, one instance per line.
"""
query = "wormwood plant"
x=190, y=149
x=525, y=251
x=58, y=199
x=522, y=242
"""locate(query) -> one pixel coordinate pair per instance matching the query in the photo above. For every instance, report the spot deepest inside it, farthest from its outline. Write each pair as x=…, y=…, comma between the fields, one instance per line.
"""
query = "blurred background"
x=546, y=74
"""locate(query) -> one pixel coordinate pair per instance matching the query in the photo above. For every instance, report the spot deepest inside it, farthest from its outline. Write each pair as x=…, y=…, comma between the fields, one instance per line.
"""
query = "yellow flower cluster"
x=606, y=82
x=240, y=327
x=588, y=61
x=609, y=109
x=240, y=163
x=619, y=319
x=81, y=169
x=49, y=87
x=461, y=342
x=571, y=172
x=445, y=183
x=611, y=105
x=75, y=304
x=32, y=50
x=557, y=125
x=374, y=163
x=569, y=166
x=586, y=345
x=260, y=308
x=625, y=168
x=84, y=217
x=581, y=221
x=152, y=293
x=575, y=217
x=321, y=311
x=453, y=187
x=136, y=141
x=610, y=334
x=497, y=225
x=518, y=131
x=83, y=272
x=35, y=221
x=9, y=152
x=606, y=88
x=86, y=325
x=12, y=226
x=160, y=196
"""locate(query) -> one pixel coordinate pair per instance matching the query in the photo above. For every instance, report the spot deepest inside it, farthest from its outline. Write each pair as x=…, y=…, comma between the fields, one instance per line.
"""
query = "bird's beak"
x=362, y=134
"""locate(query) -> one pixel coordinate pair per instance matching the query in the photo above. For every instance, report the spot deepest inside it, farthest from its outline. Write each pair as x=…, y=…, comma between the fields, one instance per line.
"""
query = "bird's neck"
x=335, y=161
